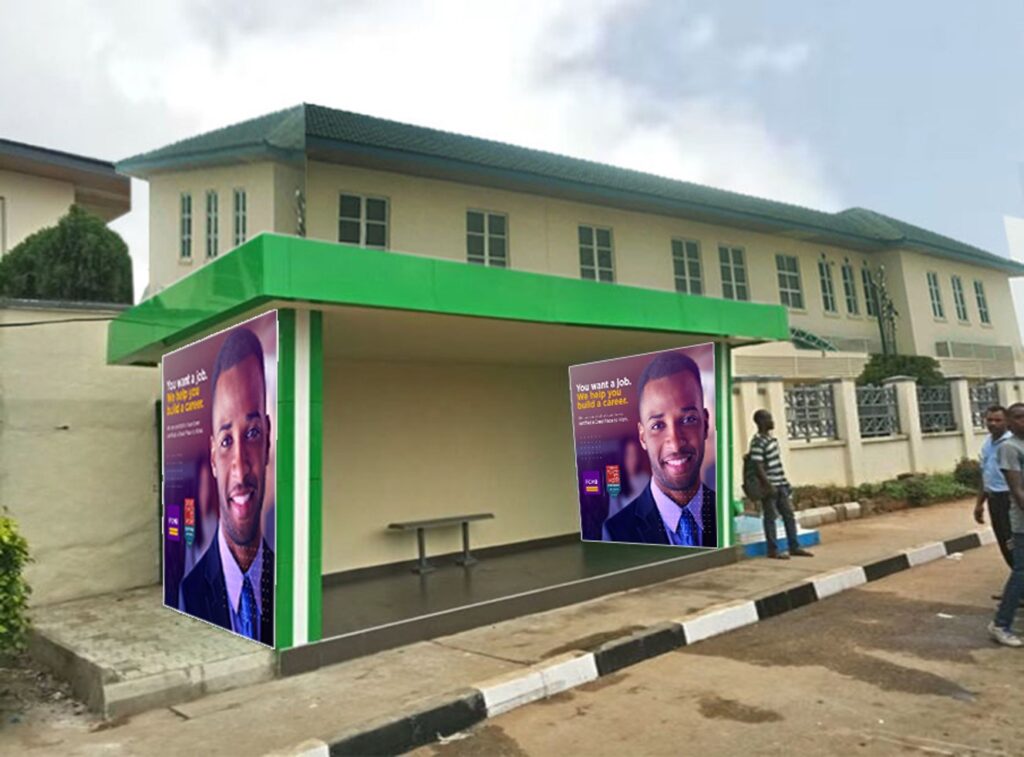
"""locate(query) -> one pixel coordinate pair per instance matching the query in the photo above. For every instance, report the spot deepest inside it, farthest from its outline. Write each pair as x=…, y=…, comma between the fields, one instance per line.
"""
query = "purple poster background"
x=190, y=491
x=605, y=418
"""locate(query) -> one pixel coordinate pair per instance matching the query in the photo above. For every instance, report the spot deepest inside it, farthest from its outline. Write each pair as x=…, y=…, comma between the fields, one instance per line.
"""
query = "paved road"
x=901, y=666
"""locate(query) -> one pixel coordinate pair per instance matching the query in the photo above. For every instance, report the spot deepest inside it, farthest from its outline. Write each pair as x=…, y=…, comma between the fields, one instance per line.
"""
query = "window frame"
x=685, y=284
x=959, y=299
x=935, y=295
x=786, y=289
x=596, y=249
x=827, y=285
x=732, y=251
x=486, y=235
x=240, y=216
x=185, y=227
x=364, y=221
x=984, y=314
x=849, y=279
x=212, y=224
x=871, y=306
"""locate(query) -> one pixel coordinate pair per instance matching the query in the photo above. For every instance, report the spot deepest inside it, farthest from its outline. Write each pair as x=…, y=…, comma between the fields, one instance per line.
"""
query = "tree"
x=78, y=259
x=921, y=367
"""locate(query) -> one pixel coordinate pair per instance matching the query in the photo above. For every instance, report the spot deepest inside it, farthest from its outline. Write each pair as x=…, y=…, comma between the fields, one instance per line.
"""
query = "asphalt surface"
x=900, y=666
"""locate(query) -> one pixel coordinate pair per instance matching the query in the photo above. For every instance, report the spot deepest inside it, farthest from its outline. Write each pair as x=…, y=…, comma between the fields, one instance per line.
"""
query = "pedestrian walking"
x=764, y=453
x=1011, y=462
x=993, y=488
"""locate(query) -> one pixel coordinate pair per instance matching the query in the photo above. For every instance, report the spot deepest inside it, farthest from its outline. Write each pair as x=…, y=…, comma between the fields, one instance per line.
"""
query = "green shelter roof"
x=274, y=268
x=305, y=129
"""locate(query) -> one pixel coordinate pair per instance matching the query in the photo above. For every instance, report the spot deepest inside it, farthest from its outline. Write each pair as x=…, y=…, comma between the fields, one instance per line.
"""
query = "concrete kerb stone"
x=496, y=696
x=816, y=516
x=986, y=536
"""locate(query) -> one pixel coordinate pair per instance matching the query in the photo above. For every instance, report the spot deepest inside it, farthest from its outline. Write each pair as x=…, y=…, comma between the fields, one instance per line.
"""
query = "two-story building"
x=340, y=176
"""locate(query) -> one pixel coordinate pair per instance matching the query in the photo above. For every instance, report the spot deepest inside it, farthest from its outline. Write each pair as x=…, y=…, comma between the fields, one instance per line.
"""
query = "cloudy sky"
x=913, y=108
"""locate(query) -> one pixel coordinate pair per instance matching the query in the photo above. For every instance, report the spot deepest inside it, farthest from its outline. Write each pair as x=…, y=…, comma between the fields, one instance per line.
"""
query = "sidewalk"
x=406, y=695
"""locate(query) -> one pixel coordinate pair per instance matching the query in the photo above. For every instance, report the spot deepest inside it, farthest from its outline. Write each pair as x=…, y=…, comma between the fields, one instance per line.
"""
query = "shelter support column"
x=299, y=475
x=724, y=437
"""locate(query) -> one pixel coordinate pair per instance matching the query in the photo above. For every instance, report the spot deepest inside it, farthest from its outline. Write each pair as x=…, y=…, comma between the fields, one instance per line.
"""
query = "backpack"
x=753, y=487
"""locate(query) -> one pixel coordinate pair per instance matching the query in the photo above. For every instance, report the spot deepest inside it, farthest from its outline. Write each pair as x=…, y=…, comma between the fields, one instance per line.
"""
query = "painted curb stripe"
x=925, y=553
x=415, y=729
x=719, y=621
x=969, y=541
x=886, y=567
x=642, y=645
x=839, y=581
x=488, y=700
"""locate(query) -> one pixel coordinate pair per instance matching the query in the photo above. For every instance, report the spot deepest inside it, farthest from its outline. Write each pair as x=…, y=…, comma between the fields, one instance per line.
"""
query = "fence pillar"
x=910, y=418
x=1008, y=388
x=746, y=401
x=774, y=396
x=848, y=427
x=960, y=397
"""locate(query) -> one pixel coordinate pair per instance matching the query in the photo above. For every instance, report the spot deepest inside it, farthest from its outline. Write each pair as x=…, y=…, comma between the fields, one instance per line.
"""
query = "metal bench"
x=422, y=566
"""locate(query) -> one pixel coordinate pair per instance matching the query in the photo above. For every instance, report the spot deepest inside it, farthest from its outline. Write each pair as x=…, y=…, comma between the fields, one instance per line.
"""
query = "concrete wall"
x=78, y=463
x=31, y=203
x=888, y=457
x=437, y=440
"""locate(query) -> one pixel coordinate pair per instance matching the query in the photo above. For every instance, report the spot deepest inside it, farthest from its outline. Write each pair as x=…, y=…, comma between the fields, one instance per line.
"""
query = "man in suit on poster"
x=232, y=585
x=675, y=507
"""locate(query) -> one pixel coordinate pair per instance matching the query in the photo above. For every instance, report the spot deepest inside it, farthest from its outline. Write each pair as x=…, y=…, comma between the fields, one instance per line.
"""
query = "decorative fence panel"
x=935, y=405
x=877, y=411
x=811, y=412
x=983, y=396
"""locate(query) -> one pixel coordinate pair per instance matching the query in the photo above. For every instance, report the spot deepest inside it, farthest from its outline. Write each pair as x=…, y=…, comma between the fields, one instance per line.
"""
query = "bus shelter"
x=411, y=389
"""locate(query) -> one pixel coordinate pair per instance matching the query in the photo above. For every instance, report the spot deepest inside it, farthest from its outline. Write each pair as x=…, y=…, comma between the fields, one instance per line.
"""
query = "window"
x=850, y=289
x=828, y=289
x=959, y=301
x=363, y=221
x=212, y=224
x=686, y=266
x=487, y=238
x=979, y=294
x=870, y=292
x=3, y=226
x=240, y=216
x=186, y=226
x=596, y=253
x=790, y=292
x=734, y=273
x=936, y=295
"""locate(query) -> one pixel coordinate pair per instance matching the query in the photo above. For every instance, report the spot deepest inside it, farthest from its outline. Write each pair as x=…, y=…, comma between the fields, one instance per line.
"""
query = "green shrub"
x=13, y=589
x=921, y=367
x=968, y=473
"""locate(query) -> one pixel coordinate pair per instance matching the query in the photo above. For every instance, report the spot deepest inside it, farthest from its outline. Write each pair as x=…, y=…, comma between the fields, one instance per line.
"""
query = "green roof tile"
x=289, y=132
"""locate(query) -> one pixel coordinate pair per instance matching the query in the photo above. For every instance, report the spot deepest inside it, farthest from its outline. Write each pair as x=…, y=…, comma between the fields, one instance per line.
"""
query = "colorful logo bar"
x=592, y=482
x=174, y=522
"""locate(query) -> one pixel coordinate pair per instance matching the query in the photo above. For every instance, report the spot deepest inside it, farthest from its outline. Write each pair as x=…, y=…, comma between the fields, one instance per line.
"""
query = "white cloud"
x=116, y=78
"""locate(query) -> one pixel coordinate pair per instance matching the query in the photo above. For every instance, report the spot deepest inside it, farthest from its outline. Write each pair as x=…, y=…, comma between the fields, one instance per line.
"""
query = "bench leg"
x=422, y=566
x=466, y=559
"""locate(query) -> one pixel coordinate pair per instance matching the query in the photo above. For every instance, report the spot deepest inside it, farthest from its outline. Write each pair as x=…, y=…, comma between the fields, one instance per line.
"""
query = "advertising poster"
x=644, y=428
x=219, y=402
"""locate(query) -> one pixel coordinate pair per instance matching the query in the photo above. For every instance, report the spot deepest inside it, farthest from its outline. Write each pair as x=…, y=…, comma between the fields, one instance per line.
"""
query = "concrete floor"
x=900, y=666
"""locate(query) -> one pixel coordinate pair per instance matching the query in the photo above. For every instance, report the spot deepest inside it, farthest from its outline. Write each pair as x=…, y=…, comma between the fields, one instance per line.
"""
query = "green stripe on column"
x=728, y=443
x=720, y=447
x=316, y=426
x=285, y=474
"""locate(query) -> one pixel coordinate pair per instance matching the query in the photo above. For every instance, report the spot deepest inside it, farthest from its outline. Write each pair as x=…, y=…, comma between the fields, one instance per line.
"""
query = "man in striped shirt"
x=764, y=451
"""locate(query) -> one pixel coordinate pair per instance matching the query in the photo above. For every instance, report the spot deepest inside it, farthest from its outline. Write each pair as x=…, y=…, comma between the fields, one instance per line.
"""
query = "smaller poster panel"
x=219, y=448
x=644, y=428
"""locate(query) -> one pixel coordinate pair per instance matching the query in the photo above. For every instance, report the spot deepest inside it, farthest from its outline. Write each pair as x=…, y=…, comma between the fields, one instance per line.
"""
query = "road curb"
x=432, y=720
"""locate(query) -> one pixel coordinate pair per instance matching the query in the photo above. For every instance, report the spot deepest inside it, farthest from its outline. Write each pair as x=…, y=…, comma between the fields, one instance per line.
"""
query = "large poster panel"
x=644, y=428
x=219, y=430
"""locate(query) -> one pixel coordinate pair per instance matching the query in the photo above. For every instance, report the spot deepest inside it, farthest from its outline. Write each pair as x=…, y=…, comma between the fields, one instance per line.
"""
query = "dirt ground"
x=32, y=700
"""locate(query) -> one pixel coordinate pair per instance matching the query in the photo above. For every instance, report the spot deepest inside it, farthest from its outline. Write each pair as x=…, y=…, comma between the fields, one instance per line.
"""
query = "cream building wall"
x=263, y=198
x=30, y=204
x=442, y=439
x=78, y=462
